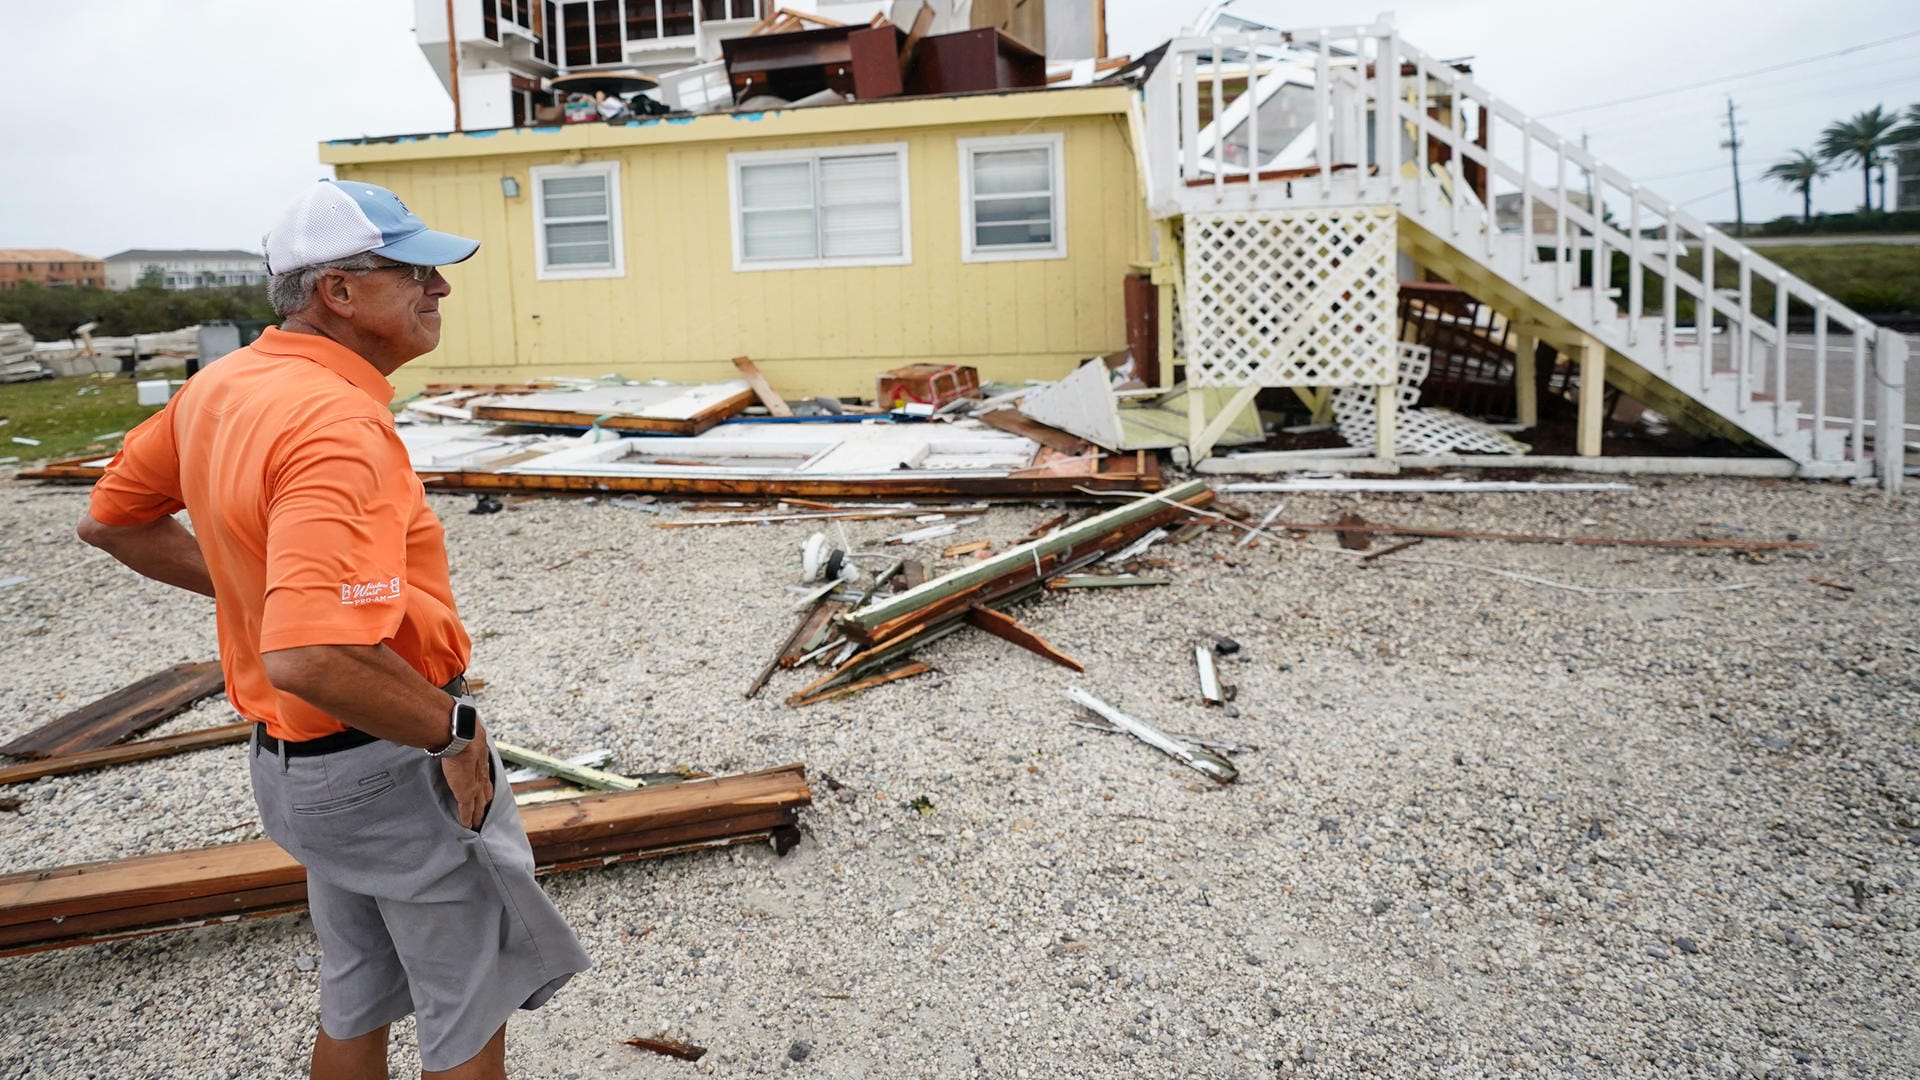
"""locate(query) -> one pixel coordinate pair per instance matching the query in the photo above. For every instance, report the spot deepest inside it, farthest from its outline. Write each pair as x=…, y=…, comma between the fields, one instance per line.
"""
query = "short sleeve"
x=142, y=483
x=337, y=516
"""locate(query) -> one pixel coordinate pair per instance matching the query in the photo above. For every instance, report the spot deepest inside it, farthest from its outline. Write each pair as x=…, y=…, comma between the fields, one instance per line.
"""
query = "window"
x=576, y=220
x=809, y=208
x=1010, y=205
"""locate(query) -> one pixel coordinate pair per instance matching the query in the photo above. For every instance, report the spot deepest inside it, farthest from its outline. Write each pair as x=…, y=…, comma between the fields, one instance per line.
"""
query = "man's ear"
x=335, y=292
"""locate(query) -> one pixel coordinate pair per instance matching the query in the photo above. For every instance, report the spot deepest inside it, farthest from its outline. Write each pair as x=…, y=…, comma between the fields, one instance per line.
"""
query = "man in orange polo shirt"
x=339, y=639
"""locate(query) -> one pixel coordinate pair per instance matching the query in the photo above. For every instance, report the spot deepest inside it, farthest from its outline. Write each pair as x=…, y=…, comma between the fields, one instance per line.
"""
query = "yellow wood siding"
x=680, y=312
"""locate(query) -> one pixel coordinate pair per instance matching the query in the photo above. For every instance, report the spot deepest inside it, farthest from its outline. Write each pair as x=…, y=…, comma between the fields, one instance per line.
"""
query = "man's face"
x=400, y=313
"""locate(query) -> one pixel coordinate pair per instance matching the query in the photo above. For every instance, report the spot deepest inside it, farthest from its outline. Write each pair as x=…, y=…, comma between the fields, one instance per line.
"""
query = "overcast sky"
x=189, y=123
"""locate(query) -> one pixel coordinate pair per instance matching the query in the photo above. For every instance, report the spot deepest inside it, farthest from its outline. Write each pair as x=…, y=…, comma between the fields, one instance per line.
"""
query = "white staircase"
x=1779, y=361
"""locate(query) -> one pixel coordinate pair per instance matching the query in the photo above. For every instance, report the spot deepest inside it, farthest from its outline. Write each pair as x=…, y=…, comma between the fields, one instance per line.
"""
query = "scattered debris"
x=583, y=775
x=1209, y=676
x=775, y=404
x=671, y=1048
x=1088, y=405
x=1830, y=584
x=1105, y=581
x=11, y=805
x=967, y=548
x=1401, y=546
x=485, y=504
x=1198, y=758
x=1354, y=536
x=1530, y=538
x=931, y=532
x=1254, y=533
x=1344, y=484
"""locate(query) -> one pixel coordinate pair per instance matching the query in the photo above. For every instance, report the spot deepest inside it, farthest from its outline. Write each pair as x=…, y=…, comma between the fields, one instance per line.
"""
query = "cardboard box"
x=925, y=384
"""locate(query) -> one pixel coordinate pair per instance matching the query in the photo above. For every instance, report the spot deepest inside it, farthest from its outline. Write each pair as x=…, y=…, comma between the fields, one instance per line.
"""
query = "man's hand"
x=470, y=778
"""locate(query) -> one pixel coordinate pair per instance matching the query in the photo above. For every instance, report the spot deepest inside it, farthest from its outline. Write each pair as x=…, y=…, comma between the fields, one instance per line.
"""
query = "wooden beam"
x=127, y=711
x=1007, y=628
x=1526, y=386
x=40, y=907
x=1593, y=397
x=84, y=760
x=776, y=405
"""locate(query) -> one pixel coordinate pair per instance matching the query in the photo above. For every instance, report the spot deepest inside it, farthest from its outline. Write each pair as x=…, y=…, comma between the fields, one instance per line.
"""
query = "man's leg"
x=489, y=1064
x=363, y=1058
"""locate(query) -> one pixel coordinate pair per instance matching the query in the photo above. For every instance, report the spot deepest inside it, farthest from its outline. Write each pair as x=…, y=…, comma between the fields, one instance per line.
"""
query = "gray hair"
x=291, y=292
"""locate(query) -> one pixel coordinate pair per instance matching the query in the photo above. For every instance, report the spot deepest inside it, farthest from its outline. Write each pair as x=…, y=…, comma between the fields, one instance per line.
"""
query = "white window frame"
x=541, y=173
x=741, y=264
x=1055, y=145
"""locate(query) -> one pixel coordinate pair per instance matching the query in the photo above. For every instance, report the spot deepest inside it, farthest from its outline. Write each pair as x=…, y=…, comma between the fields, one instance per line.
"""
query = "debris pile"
x=17, y=361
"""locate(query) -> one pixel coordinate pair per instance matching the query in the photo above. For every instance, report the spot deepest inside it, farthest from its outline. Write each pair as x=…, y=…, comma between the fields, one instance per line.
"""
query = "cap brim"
x=430, y=248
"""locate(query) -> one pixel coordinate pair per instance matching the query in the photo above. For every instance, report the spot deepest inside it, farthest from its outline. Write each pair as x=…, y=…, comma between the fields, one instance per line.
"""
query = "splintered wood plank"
x=967, y=548
x=776, y=405
x=1007, y=628
x=143, y=750
x=1015, y=422
x=602, y=823
x=904, y=671
x=127, y=711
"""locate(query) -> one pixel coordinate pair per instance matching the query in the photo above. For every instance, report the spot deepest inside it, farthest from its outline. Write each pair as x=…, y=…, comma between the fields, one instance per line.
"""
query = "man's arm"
x=162, y=549
x=370, y=688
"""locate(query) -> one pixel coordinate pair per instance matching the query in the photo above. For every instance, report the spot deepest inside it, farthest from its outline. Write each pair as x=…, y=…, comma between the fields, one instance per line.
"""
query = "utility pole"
x=1733, y=143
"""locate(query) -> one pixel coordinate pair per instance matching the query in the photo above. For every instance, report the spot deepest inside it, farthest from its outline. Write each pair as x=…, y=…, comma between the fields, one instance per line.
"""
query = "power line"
x=1708, y=195
x=1729, y=78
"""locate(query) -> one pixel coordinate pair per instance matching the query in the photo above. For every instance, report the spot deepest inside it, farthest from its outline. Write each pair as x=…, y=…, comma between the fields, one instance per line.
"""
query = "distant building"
x=185, y=269
x=56, y=268
x=1906, y=192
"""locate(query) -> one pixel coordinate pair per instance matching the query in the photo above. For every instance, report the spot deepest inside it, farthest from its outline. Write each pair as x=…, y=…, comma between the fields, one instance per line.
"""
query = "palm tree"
x=1798, y=172
x=1860, y=140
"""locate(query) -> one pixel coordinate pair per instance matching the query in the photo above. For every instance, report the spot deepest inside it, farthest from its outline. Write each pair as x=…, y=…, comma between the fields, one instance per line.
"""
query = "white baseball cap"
x=336, y=219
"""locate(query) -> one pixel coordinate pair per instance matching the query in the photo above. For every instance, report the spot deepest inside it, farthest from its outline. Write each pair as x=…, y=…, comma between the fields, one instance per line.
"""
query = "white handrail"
x=1361, y=72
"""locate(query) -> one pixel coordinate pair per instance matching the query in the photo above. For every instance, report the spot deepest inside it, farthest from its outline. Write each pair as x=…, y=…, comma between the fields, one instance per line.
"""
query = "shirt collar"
x=329, y=354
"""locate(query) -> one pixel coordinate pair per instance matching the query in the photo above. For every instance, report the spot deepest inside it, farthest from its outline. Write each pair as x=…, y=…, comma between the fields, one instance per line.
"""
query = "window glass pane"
x=606, y=31
x=778, y=234
x=848, y=181
x=860, y=230
x=579, y=39
x=1017, y=208
x=713, y=9
x=676, y=18
x=642, y=20
x=997, y=172
x=1039, y=232
x=574, y=196
x=786, y=185
x=579, y=244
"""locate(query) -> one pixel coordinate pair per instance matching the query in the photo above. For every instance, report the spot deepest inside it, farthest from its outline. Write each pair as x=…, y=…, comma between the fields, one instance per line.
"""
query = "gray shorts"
x=415, y=912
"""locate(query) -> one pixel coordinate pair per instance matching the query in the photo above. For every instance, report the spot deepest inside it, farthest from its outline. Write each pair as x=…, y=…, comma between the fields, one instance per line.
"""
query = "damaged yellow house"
x=827, y=243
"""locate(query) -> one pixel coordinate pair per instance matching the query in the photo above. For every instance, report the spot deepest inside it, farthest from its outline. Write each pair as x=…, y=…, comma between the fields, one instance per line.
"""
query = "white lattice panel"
x=1290, y=297
x=1417, y=431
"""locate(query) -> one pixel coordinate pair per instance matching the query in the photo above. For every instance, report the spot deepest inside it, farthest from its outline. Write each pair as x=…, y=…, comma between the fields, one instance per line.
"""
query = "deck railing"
x=1651, y=281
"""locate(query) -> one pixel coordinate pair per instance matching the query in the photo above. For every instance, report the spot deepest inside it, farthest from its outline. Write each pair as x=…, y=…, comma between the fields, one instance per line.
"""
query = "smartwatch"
x=464, y=722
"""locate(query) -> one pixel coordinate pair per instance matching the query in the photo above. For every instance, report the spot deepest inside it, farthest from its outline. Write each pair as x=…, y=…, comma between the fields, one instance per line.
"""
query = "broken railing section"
x=93, y=902
x=883, y=632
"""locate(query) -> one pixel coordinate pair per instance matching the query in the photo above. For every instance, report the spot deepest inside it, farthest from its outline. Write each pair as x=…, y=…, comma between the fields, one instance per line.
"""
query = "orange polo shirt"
x=314, y=527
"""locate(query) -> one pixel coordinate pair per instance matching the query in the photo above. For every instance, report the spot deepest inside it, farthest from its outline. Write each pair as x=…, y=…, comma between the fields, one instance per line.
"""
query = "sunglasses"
x=418, y=273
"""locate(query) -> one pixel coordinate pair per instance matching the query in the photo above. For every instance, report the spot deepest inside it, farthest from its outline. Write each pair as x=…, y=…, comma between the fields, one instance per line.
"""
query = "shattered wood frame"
x=104, y=901
x=887, y=629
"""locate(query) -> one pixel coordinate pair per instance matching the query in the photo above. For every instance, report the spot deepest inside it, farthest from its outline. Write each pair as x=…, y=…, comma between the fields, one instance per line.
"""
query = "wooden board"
x=127, y=711
x=776, y=405
x=41, y=906
x=1015, y=422
x=145, y=749
x=692, y=425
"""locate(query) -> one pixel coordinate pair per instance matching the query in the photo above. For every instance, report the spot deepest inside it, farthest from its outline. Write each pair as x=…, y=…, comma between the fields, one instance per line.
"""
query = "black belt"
x=339, y=740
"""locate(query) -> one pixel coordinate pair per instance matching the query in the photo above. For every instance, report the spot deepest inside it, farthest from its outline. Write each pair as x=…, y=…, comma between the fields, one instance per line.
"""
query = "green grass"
x=1869, y=278
x=69, y=416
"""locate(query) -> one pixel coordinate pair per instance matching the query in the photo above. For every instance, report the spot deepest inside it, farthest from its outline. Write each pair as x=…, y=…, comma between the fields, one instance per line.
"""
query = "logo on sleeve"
x=370, y=592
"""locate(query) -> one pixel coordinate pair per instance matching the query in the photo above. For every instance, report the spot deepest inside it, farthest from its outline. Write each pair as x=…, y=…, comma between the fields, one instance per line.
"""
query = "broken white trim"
x=1341, y=483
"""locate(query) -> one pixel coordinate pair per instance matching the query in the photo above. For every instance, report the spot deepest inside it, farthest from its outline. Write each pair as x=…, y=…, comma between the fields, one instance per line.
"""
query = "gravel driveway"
x=1492, y=827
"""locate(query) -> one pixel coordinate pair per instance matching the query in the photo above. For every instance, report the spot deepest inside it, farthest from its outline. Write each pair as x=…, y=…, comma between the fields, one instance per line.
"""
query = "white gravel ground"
x=1492, y=828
